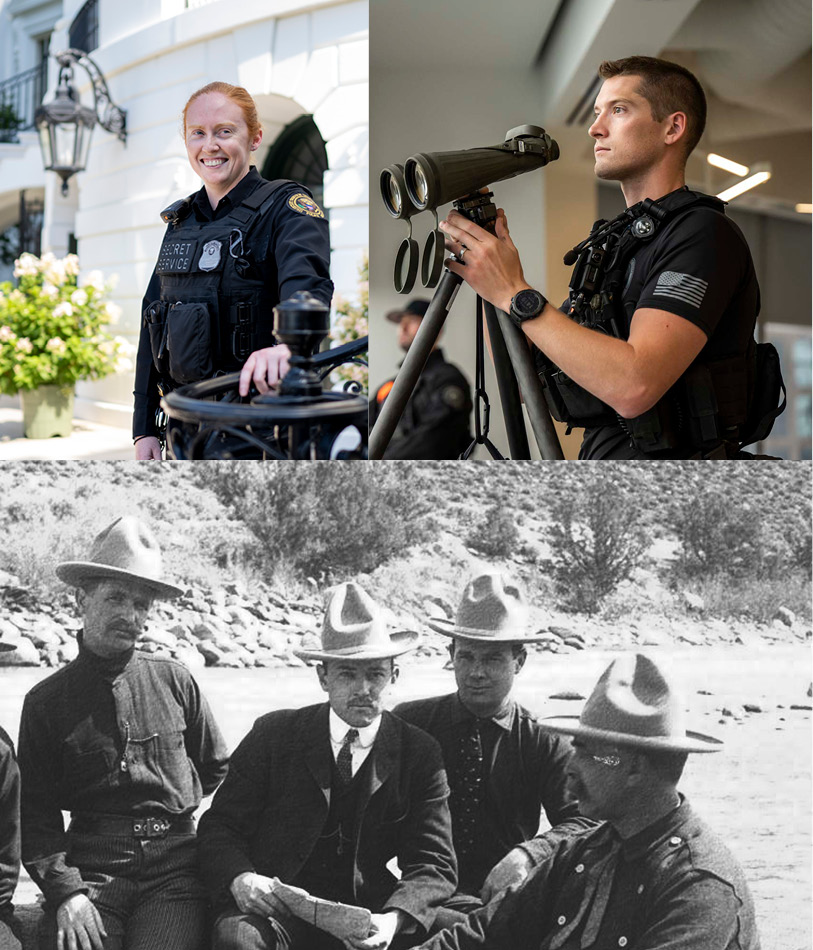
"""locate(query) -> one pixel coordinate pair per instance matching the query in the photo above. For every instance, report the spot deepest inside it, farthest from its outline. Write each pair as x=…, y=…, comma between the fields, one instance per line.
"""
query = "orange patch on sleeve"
x=384, y=391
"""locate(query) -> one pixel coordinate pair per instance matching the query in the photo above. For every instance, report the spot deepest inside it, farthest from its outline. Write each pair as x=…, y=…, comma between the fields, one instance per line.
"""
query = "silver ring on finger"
x=461, y=252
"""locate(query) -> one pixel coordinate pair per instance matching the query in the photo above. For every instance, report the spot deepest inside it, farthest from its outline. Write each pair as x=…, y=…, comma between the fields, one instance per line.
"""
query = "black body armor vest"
x=212, y=314
x=709, y=404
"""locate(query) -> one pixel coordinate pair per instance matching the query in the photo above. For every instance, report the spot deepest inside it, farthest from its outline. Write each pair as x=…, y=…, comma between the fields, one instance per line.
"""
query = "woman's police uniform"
x=219, y=275
x=686, y=257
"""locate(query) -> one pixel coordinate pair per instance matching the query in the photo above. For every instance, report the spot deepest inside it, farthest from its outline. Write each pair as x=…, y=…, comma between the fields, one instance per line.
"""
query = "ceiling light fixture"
x=760, y=174
x=727, y=164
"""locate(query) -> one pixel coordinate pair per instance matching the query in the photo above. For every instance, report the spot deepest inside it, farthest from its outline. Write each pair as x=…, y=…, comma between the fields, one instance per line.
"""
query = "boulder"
x=26, y=654
x=273, y=640
x=191, y=658
x=68, y=651
x=785, y=616
x=241, y=617
x=209, y=652
x=693, y=601
x=161, y=638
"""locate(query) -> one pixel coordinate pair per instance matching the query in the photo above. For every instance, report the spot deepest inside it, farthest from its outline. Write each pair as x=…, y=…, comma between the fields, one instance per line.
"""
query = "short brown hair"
x=667, y=88
x=238, y=95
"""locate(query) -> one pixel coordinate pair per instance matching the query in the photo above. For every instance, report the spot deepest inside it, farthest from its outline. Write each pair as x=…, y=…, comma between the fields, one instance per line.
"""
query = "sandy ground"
x=756, y=793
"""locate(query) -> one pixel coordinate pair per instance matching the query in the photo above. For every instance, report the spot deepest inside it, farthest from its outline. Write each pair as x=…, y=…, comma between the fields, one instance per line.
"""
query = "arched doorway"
x=299, y=153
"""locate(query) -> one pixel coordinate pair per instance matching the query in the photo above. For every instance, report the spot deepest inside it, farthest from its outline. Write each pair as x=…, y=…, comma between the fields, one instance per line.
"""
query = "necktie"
x=344, y=760
x=470, y=788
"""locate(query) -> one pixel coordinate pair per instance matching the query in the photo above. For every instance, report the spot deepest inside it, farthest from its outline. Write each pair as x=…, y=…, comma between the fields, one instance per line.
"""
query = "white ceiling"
x=752, y=56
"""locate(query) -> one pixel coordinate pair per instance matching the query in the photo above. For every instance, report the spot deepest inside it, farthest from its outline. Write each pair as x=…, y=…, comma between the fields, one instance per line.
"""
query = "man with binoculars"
x=655, y=355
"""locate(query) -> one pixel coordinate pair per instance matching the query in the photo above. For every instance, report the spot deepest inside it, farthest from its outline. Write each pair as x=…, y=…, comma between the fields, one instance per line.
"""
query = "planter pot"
x=47, y=411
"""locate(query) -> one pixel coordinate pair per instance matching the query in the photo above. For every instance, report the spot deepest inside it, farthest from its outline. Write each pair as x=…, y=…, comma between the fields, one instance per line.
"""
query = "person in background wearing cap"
x=324, y=797
x=504, y=769
x=652, y=875
x=435, y=422
x=126, y=743
x=9, y=834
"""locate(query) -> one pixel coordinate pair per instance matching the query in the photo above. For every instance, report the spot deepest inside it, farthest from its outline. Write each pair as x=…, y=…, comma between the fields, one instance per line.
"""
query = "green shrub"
x=596, y=542
x=324, y=516
x=496, y=534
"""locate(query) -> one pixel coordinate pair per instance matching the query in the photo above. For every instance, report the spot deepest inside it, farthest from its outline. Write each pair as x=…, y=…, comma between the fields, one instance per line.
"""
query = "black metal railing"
x=84, y=31
x=20, y=97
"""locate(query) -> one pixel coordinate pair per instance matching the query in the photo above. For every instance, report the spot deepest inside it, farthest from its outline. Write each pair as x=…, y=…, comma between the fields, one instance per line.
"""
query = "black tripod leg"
x=522, y=362
x=413, y=364
x=510, y=401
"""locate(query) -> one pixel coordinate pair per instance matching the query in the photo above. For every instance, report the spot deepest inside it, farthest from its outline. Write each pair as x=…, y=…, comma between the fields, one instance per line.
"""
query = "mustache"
x=125, y=627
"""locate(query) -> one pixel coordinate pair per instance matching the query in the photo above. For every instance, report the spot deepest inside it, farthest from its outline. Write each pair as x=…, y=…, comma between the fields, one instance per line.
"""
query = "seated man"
x=126, y=743
x=322, y=798
x=652, y=875
x=504, y=769
x=9, y=836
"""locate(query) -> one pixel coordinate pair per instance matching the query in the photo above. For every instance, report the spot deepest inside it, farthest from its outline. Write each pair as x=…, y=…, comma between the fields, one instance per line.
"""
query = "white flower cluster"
x=56, y=346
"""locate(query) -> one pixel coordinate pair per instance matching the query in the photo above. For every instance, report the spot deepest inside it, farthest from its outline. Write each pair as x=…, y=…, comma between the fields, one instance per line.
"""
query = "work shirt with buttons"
x=672, y=886
x=132, y=736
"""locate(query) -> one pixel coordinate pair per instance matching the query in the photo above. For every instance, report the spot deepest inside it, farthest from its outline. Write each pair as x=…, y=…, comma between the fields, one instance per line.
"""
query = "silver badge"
x=210, y=255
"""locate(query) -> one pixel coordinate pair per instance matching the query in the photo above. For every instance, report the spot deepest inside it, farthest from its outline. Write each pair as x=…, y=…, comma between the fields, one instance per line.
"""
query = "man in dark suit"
x=503, y=768
x=322, y=798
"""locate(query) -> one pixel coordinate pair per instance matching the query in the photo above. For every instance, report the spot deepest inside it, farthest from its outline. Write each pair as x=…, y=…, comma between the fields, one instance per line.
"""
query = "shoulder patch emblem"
x=454, y=397
x=304, y=204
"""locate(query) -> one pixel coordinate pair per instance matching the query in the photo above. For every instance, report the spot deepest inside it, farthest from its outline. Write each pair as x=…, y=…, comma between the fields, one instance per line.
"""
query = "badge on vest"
x=176, y=257
x=304, y=204
x=210, y=256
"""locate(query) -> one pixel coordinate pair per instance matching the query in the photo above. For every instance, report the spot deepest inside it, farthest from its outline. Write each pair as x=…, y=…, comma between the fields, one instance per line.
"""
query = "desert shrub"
x=721, y=535
x=495, y=534
x=597, y=539
x=322, y=516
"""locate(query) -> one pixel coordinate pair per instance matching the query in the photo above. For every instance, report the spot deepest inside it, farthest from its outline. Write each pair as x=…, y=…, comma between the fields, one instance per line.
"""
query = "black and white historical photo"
x=420, y=704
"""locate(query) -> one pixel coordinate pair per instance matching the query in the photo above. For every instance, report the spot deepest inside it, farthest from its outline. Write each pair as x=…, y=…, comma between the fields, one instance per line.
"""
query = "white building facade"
x=297, y=60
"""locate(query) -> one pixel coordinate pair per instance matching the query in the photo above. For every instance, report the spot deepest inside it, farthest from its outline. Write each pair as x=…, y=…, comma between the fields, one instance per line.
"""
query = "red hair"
x=238, y=95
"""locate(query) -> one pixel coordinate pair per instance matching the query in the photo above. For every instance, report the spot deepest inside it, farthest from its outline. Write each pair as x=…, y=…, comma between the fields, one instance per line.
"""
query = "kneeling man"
x=323, y=798
x=652, y=875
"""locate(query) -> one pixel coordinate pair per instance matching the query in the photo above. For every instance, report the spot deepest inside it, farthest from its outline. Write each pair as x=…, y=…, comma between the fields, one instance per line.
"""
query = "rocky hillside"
x=247, y=603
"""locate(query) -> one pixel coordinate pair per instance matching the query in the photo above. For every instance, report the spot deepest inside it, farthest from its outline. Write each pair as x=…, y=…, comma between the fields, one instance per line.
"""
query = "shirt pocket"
x=158, y=758
x=87, y=771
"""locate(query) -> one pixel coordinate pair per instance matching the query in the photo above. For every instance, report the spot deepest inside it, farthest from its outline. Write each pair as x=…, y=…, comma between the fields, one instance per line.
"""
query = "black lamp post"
x=65, y=125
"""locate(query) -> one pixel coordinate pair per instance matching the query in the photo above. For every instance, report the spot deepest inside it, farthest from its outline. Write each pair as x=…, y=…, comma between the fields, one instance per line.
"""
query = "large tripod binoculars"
x=425, y=181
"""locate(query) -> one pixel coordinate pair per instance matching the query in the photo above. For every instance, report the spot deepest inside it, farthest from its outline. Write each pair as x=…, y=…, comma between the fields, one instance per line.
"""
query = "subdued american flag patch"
x=681, y=286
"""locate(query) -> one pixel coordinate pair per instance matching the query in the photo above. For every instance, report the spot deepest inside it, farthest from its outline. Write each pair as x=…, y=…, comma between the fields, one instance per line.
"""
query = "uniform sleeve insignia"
x=304, y=204
x=454, y=397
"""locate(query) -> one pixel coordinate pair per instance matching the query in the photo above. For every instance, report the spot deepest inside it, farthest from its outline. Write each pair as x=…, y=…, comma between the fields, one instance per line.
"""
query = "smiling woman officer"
x=231, y=252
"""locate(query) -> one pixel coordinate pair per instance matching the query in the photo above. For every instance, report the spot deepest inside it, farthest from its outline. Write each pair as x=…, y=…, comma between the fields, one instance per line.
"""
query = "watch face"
x=528, y=302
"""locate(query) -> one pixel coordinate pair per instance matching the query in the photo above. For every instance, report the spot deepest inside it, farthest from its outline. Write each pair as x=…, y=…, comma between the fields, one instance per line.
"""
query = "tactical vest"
x=709, y=404
x=211, y=314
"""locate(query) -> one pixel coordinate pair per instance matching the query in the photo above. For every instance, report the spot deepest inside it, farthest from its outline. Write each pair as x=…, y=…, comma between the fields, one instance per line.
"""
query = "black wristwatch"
x=526, y=305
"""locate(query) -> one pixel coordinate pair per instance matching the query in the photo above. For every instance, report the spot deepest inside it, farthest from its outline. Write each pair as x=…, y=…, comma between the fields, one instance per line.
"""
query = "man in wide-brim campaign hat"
x=322, y=798
x=126, y=743
x=504, y=770
x=651, y=874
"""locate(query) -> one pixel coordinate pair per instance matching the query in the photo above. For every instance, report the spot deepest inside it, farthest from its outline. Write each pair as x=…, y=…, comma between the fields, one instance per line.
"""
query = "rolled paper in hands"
x=343, y=921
